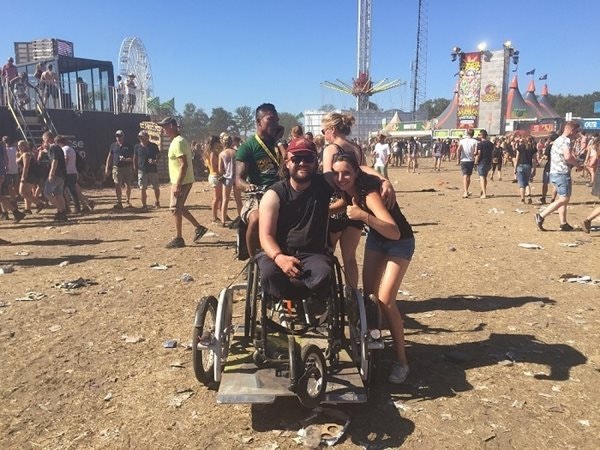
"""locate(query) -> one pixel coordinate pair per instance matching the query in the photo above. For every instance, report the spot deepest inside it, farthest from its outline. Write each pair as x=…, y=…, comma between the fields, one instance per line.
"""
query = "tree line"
x=198, y=125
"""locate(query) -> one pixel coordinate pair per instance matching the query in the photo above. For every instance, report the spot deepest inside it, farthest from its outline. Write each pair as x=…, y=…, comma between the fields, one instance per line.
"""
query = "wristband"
x=275, y=255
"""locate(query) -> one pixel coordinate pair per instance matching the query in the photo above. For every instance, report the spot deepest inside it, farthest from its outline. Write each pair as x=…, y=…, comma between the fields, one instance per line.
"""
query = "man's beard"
x=301, y=179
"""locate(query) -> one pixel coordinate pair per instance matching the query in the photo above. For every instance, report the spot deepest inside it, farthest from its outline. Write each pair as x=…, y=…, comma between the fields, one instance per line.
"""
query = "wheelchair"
x=320, y=348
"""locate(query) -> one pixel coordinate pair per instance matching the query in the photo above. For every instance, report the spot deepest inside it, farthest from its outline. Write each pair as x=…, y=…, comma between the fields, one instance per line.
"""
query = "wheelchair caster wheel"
x=312, y=385
x=259, y=358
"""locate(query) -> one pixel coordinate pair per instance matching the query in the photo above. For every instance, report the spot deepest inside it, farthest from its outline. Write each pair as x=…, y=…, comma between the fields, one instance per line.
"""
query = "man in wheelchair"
x=293, y=227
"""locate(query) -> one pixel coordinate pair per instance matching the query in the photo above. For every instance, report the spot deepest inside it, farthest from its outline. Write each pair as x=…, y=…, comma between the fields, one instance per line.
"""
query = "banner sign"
x=469, y=87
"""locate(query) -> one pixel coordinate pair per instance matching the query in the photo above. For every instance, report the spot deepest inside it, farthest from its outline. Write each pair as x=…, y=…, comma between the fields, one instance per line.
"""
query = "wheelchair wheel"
x=312, y=385
x=204, y=334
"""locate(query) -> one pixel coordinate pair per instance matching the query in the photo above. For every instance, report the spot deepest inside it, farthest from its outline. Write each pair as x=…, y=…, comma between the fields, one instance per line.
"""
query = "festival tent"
x=532, y=102
x=448, y=118
x=516, y=108
x=391, y=125
x=545, y=104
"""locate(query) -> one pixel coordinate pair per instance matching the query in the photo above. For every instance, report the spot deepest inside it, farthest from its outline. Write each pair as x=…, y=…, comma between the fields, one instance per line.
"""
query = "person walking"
x=466, y=159
x=181, y=175
x=227, y=169
x=212, y=149
x=483, y=156
x=562, y=160
x=526, y=158
x=145, y=164
x=120, y=159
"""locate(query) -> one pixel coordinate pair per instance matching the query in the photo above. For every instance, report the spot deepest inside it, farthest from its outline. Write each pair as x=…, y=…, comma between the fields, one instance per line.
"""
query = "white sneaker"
x=399, y=373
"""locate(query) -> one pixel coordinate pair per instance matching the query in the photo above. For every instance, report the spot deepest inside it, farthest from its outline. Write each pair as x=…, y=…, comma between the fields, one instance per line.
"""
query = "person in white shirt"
x=381, y=154
x=466, y=159
x=130, y=89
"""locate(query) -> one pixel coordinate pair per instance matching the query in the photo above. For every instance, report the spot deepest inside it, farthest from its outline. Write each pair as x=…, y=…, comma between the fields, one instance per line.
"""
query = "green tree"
x=221, y=120
x=288, y=121
x=579, y=105
x=328, y=107
x=244, y=119
x=194, y=122
x=434, y=107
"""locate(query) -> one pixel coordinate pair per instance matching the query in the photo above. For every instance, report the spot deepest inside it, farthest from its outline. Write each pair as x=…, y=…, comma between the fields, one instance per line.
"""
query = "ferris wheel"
x=133, y=59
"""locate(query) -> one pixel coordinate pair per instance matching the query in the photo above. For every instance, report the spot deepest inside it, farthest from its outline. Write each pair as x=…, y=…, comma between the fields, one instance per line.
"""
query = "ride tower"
x=362, y=86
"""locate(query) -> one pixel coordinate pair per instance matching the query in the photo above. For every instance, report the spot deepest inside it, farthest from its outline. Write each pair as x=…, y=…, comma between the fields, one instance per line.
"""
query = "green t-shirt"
x=261, y=169
x=180, y=147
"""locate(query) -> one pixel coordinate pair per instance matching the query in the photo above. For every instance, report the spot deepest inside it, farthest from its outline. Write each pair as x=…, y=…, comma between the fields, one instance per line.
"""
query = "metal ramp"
x=243, y=382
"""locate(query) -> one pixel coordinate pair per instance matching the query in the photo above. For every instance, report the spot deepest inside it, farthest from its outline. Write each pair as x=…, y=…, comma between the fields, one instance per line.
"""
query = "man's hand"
x=176, y=189
x=290, y=265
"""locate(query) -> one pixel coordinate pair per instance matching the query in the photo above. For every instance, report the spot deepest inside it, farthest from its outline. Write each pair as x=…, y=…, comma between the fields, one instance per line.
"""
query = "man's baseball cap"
x=301, y=145
x=168, y=121
x=143, y=133
x=119, y=133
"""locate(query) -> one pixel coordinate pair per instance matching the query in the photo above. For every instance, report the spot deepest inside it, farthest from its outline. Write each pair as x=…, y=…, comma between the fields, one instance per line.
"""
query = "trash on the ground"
x=570, y=244
x=138, y=247
x=69, y=310
x=325, y=425
x=187, y=277
x=531, y=246
x=55, y=328
x=170, y=343
x=177, y=365
x=506, y=362
x=7, y=269
x=4, y=304
x=180, y=397
x=401, y=406
x=574, y=278
x=75, y=284
x=451, y=248
x=31, y=296
x=132, y=339
x=107, y=397
x=22, y=253
x=49, y=227
x=585, y=423
x=495, y=211
x=210, y=234
x=159, y=266
x=63, y=264
x=518, y=404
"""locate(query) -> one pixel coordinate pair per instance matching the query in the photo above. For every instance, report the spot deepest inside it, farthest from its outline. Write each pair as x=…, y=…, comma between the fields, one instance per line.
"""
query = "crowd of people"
x=524, y=157
x=320, y=191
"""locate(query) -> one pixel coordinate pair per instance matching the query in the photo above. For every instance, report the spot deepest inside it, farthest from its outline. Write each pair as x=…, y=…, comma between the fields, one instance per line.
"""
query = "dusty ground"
x=503, y=355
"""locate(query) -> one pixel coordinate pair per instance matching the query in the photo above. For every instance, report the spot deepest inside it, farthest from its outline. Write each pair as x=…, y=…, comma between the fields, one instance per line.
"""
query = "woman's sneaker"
x=399, y=373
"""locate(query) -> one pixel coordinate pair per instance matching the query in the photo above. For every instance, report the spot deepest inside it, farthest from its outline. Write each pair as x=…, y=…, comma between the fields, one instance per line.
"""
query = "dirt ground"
x=503, y=354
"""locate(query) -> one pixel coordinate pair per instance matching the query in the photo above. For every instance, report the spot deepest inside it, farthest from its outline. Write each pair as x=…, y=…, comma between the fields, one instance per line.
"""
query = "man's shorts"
x=466, y=167
x=562, y=181
x=177, y=204
x=55, y=187
x=122, y=175
x=523, y=175
x=227, y=181
x=250, y=204
x=148, y=178
x=483, y=169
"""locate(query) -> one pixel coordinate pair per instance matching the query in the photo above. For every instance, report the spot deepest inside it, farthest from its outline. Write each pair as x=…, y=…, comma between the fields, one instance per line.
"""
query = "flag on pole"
x=544, y=77
x=531, y=72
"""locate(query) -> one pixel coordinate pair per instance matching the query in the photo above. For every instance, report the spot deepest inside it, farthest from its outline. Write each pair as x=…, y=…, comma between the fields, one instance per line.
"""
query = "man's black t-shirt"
x=121, y=150
x=143, y=154
x=56, y=153
x=303, y=216
x=486, y=148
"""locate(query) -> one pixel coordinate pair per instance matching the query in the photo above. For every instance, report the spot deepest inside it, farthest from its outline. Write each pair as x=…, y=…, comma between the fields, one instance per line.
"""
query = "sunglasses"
x=307, y=159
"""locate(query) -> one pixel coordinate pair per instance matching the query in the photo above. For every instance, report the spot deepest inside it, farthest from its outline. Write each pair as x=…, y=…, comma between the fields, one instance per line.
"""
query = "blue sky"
x=231, y=53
